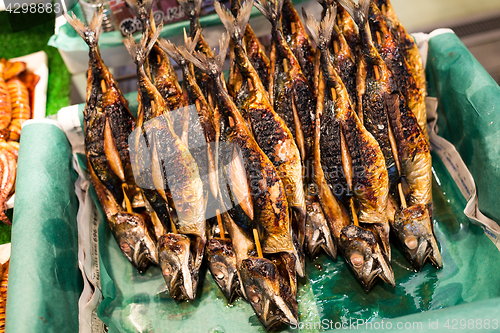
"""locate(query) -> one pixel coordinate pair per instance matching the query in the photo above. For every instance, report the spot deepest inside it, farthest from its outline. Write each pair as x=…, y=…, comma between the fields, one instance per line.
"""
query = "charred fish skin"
x=257, y=56
x=298, y=40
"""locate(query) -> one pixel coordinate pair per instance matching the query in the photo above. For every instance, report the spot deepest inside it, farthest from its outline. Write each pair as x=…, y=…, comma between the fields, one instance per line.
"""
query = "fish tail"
x=211, y=65
x=321, y=33
x=170, y=49
x=358, y=11
x=140, y=51
x=192, y=8
x=235, y=26
x=141, y=8
x=271, y=9
x=89, y=34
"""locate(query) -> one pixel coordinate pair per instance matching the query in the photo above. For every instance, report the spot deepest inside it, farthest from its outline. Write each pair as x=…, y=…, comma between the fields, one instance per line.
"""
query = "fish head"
x=134, y=239
x=176, y=265
x=318, y=235
x=264, y=292
x=363, y=254
x=222, y=264
x=415, y=232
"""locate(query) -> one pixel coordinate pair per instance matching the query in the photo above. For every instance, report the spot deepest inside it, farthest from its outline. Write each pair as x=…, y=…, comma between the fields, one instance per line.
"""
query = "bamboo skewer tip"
x=257, y=243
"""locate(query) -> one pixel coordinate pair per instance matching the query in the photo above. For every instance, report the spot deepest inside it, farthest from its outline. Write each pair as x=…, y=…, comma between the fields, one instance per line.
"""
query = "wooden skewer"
x=394, y=149
x=127, y=200
x=285, y=65
x=335, y=47
x=257, y=243
x=292, y=27
x=103, y=86
x=334, y=94
x=379, y=39
x=219, y=222
x=377, y=74
x=402, y=195
x=174, y=228
x=354, y=215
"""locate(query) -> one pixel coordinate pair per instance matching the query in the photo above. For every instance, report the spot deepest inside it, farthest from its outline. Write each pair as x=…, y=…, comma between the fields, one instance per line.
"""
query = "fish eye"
x=219, y=271
x=253, y=295
x=411, y=242
x=357, y=259
x=125, y=247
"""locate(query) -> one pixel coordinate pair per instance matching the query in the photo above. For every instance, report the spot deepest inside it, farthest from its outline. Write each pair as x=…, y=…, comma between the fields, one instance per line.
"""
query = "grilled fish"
x=369, y=177
x=411, y=53
x=192, y=9
x=298, y=40
x=387, y=46
x=259, y=276
x=290, y=84
x=107, y=126
x=174, y=173
x=269, y=130
x=161, y=71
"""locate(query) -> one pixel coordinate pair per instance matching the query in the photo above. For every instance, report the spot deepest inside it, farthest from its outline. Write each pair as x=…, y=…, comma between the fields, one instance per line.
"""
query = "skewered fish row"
x=319, y=147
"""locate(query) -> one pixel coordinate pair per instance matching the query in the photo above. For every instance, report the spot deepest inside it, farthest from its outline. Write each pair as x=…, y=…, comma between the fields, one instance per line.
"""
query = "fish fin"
x=141, y=8
x=190, y=43
x=139, y=52
x=321, y=33
x=235, y=26
x=207, y=63
x=199, y=59
x=192, y=8
x=271, y=9
x=170, y=49
x=358, y=11
x=89, y=34
x=223, y=46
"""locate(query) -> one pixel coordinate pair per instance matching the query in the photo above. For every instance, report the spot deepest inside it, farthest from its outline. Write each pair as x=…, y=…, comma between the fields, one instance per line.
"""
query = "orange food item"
x=21, y=109
x=5, y=105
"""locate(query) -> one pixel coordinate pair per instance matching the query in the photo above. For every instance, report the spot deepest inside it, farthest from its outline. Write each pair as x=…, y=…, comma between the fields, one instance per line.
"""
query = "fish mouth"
x=176, y=265
x=363, y=254
x=134, y=239
x=267, y=293
x=222, y=264
x=318, y=235
x=415, y=233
